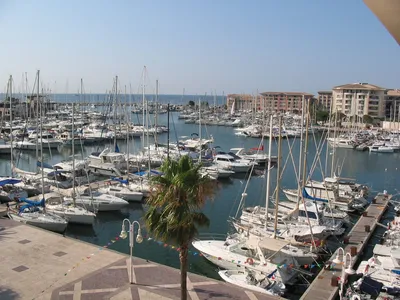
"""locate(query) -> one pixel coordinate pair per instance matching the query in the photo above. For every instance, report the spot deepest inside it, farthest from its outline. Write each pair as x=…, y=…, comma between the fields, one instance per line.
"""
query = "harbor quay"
x=38, y=264
x=326, y=284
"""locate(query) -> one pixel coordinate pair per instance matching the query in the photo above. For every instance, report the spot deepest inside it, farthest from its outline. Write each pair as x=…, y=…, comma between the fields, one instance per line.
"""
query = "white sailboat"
x=31, y=212
x=71, y=211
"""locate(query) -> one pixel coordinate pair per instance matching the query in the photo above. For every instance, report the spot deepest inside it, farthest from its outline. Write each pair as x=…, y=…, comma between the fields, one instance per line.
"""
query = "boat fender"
x=250, y=261
x=355, y=297
x=240, y=230
x=366, y=269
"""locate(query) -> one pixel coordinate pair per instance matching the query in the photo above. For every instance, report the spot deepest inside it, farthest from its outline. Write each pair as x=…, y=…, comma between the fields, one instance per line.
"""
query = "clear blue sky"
x=235, y=46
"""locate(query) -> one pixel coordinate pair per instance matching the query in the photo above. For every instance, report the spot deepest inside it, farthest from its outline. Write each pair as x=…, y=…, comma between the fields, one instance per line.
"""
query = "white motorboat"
x=261, y=255
x=384, y=266
x=96, y=201
x=122, y=191
x=25, y=145
x=381, y=149
x=254, y=281
x=226, y=161
x=216, y=172
x=341, y=143
x=107, y=163
x=45, y=140
x=253, y=155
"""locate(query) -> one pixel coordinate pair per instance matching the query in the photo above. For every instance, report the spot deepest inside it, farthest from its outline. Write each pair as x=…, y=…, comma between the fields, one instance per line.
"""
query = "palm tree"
x=174, y=207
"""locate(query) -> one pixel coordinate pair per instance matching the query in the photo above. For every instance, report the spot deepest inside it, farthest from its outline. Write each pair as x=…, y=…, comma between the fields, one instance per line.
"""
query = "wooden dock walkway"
x=321, y=288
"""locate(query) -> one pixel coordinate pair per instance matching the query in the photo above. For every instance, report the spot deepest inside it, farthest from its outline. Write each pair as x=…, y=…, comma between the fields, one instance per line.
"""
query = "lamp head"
x=139, y=237
x=123, y=235
x=337, y=260
x=350, y=271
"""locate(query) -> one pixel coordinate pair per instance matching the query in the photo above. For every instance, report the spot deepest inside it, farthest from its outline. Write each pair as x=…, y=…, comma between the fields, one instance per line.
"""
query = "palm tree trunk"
x=183, y=260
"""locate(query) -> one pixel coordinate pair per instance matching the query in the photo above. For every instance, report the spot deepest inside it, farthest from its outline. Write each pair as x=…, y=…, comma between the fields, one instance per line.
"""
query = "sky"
x=222, y=46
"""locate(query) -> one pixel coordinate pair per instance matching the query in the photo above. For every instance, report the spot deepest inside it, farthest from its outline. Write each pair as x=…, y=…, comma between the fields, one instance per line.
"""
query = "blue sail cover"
x=120, y=180
x=46, y=166
x=30, y=204
x=307, y=196
x=152, y=172
x=9, y=181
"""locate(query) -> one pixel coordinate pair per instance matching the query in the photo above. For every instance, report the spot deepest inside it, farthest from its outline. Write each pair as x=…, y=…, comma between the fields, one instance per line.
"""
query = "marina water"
x=379, y=171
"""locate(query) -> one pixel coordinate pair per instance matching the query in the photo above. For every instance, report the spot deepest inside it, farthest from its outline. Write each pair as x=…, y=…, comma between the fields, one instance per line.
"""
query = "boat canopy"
x=44, y=165
x=307, y=196
x=120, y=180
x=152, y=172
x=268, y=243
x=9, y=181
x=30, y=204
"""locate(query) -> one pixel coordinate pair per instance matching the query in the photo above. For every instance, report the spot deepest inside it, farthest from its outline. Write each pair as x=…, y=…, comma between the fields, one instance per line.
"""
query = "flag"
x=116, y=148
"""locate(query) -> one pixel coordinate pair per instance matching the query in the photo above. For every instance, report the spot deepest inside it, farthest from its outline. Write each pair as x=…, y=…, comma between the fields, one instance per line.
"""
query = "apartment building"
x=325, y=99
x=392, y=104
x=359, y=99
x=284, y=101
x=243, y=102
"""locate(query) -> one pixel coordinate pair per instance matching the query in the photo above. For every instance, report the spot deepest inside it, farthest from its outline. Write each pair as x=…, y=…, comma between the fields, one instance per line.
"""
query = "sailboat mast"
x=128, y=127
x=301, y=150
x=278, y=177
x=200, y=129
x=41, y=136
x=11, y=120
x=115, y=112
x=328, y=136
x=37, y=116
x=304, y=177
x=143, y=104
x=168, y=132
x=156, y=116
x=267, y=192
x=334, y=144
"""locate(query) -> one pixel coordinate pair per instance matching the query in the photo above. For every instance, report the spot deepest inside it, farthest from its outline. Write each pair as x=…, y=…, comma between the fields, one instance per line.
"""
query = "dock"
x=38, y=264
x=322, y=288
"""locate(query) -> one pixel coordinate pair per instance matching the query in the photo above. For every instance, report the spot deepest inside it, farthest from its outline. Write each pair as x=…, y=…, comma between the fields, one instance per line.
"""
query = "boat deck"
x=37, y=264
x=321, y=288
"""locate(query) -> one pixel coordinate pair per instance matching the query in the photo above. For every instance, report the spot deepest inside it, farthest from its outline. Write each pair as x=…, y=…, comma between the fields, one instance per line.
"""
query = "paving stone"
x=23, y=242
x=20, y=268
x=59, y=253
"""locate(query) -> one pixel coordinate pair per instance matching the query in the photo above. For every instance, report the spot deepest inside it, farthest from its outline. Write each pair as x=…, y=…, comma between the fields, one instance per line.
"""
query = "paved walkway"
x=37, y=264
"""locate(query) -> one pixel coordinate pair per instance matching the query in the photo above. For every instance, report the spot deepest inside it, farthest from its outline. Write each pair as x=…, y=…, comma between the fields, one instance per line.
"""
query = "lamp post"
x=139, y=239
x=345, y=270
x=337, y=259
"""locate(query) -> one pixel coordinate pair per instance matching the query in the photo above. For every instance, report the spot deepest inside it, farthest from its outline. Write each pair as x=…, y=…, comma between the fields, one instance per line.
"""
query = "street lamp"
x=337, y=259
x=139, y=239
x=349, y=270
x=345, y=271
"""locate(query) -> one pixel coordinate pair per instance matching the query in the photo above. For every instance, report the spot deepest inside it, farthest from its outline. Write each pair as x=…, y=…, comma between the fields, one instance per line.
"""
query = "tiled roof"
x=358, y=86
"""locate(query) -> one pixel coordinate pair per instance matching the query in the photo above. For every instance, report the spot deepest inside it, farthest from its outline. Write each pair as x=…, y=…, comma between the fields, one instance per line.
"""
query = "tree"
x=322, y=115
x=191, y=103
x=367, y=119
x=174, y=207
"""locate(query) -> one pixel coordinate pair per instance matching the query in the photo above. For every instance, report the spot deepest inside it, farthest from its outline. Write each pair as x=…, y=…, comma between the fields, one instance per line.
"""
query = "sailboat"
x=71, y=212
x=33, y=212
